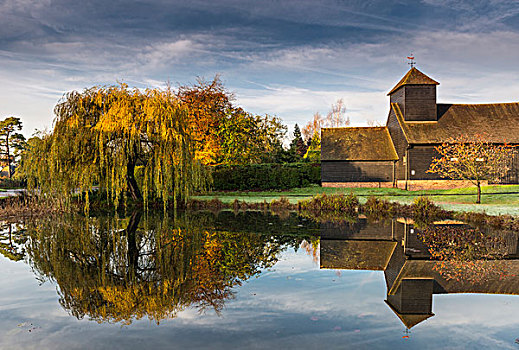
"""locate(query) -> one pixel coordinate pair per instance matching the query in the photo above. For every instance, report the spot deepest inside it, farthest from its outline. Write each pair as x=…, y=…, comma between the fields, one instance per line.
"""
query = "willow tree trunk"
x=133, y=187
x=478, y=201
x=133, y=251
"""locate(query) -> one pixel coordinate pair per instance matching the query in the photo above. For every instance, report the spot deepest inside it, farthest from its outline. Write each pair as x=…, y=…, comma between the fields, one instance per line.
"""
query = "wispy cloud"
x=301, y=55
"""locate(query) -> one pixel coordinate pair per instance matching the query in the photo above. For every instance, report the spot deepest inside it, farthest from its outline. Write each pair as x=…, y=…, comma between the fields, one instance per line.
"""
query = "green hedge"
x=7, y=183
x=265, y=176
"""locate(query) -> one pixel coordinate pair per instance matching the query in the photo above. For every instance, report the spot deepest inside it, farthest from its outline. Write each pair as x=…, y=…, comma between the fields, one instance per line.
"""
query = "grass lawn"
x=5, y=192
x=503, y=199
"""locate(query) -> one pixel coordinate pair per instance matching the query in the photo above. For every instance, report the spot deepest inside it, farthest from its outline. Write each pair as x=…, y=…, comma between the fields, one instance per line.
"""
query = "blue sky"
x=284, y=58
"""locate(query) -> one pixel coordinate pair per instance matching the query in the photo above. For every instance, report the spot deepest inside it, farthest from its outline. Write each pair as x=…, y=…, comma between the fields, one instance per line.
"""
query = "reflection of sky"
x=292, y=305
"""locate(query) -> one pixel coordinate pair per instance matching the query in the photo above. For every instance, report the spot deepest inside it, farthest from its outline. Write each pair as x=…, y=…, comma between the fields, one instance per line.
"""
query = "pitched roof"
x=414, y=77
x=499, y=122
x=494, y=282
x=409, y=320
x=356, y=255
x=368, y=143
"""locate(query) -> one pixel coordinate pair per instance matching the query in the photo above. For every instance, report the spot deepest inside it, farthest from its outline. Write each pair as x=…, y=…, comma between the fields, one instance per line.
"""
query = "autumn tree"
x=464, y=253
x=313, y=127
x=247, y=139
x=474, y=159
x=224, y=133
x=207, y=104
x=11, y=142
x=313, y=153
x=121, y=269
x=101, y=134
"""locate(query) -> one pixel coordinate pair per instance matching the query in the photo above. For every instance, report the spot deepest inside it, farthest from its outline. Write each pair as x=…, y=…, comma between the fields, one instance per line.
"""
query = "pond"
x=255, y=280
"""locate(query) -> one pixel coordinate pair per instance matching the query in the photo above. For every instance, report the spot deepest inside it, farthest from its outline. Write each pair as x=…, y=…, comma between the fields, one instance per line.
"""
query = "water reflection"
x=114, y=269
x=12, y=241
x=119, y=269
x=444, y=257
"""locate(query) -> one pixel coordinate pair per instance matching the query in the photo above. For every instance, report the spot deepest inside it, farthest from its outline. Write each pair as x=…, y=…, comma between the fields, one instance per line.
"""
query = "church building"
x=400, y=153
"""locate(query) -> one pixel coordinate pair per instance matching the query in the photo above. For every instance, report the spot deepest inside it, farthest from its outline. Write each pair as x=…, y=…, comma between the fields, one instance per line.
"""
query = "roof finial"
x=406, y=332
x=411, y=62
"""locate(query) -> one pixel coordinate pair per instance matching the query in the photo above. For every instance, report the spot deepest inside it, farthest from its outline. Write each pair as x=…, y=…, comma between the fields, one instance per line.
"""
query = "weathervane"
x=411, y=62
x=406, y=333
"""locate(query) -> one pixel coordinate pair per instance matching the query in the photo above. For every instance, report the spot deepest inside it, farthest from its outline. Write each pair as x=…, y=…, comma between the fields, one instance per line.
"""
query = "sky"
x=294, y=305
x=288, y=58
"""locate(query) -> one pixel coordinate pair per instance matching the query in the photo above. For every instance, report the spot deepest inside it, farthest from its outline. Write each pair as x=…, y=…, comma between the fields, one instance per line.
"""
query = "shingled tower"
x=416, y=96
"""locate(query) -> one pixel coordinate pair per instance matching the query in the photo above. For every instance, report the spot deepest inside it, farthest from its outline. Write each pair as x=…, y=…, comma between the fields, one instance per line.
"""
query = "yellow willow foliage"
x=113, y=269
x=101, y=134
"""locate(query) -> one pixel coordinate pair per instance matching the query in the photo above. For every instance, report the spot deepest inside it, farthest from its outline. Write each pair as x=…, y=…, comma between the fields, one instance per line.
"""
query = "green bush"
x=340, y=203
x=265, y=176
x=425, y=210
x=378, y=207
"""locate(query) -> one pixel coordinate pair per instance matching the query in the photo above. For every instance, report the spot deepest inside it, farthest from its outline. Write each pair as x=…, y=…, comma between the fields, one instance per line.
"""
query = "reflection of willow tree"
x=466, y=253
x=12, y=241
x=152, y=268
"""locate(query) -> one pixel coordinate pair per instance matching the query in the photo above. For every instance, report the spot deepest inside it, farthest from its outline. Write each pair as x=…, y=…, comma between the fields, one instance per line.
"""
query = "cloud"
x=289, y=59
x=481, y=15
x=161, y=55
x=297, y=105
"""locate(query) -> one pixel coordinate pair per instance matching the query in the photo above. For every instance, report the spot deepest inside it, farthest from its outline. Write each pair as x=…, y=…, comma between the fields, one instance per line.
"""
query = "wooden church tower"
x=415, y=94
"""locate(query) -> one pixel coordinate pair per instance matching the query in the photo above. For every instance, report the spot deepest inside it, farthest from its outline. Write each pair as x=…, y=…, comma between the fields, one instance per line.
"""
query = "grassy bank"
x=496, y=200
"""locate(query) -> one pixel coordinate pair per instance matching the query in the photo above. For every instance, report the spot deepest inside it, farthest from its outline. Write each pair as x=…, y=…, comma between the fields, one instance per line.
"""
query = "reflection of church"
x=412, y=277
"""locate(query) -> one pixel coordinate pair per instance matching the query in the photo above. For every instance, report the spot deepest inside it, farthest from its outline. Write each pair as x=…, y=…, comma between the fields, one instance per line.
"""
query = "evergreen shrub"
x=265, y=176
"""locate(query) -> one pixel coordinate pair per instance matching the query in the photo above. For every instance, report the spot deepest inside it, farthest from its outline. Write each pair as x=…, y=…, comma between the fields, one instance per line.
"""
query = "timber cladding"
x=420, y=102
x=512, y=176
x=374, y=184
x=356, y=171
x=362, y=228
x=399, y=141
x=398, y=97
x=420, y=159
x=417, y=102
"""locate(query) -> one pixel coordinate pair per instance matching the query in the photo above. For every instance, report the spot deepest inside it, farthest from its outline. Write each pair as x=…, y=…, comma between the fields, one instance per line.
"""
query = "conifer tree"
x=297, y=146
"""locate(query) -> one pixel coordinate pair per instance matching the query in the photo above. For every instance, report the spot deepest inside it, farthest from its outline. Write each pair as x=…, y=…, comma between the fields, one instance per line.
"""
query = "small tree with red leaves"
x=474, y=159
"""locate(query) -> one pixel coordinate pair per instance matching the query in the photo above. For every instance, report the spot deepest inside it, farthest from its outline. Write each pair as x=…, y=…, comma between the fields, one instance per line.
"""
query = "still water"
x=255, y=280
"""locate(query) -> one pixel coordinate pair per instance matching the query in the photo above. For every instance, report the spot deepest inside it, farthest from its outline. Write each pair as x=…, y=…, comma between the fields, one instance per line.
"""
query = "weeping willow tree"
x=102, y=134
x=113, y=269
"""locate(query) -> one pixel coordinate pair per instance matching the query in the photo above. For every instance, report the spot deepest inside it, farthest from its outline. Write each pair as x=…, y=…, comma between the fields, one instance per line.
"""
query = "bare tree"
x=337, y=115
x=373, y=122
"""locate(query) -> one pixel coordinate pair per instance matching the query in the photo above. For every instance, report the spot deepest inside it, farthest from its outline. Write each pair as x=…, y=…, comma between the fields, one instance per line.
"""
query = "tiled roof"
x=356, y=254
x=414, y=77
x=368, y=143
x=409, y=320
x=497, y=122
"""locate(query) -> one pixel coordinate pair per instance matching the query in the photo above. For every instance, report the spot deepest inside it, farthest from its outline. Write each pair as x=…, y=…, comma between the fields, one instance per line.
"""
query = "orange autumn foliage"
x=224, y=133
